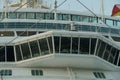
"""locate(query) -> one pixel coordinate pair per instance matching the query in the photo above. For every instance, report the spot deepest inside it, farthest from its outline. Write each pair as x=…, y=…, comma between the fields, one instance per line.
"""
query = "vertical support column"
x=118, y=59
x=96, y=46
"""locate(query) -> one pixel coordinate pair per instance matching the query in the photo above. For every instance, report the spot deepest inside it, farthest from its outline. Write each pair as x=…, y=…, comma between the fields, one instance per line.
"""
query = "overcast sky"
x=93, y=5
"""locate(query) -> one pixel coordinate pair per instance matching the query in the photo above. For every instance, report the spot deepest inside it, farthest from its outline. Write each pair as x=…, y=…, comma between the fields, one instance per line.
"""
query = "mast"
x=5, y=7
x=102, y=11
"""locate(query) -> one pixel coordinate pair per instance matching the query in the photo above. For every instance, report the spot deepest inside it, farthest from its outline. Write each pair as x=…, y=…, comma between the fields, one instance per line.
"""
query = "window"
x=65, y=44
x=34, y=48
x=49, y=16
x=44, y=46
x=18, y=52
x=109, y=22
x=99, y=75
x=84, y=45
x=37, y=72
x=75, y=17
x=6, y=72
x=30, y=15
x=39, y=15
x=12, y=15
x=21, y=15
x=25, y=51
x=2, y=53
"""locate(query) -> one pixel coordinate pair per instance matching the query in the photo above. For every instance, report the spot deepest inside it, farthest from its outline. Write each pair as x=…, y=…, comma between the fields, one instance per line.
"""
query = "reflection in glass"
x=93, y=44
x=18, y=53
x=43, y=46
x=2, y=53
x=84, y=45
x=65, y=44
x=50, y=44
x=75, y=45
x=56, y=43
x=25, y=51
x=34, y=49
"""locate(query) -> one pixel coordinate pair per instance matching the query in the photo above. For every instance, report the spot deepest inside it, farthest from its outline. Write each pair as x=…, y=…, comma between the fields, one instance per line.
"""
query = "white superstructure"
x=44, y=44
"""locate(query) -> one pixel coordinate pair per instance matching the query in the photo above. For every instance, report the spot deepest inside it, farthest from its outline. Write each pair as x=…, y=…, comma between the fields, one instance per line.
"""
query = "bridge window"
x=57, y=44
x=10, y=53
x=25, y=51
x=65, y=44
x=84, y=46
x=101, y=48
x=75, y=43
x=18, y=52
x=2, y=53
x=44, y=46
x=34, y=48
x=37, y=72
x=93, y=45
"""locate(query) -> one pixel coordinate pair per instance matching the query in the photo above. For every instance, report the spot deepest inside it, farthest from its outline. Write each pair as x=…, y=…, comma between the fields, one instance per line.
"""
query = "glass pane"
x=75, y=17
x=102, y=48
x=85, y=28
x=65, y=17
x=104, y=30
x=56, y=43
x=2, y=53
x=107, y=52
x=30, y=15
x=21, y=15
x=118, y=23
x=12, y=15
x=84, y=45
x=93, y=19
x=109, y=22
x=49, y=16
x=44, y=46
x=25, y=51
x=116, y=57
x=93, y=44
x=59, y=16
x=85, y=18
x=50, y=44
x=18, y=53
x=10, y=53
x=34, y=49
x=39, y=15
x=65, y=44
x=74, y=45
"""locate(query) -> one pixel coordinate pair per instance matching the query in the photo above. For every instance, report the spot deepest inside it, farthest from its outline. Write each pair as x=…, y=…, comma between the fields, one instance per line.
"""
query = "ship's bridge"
x=67, y=48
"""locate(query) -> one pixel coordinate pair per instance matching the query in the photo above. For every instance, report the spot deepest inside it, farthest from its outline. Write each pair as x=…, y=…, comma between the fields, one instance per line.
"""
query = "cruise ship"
x=37, y=43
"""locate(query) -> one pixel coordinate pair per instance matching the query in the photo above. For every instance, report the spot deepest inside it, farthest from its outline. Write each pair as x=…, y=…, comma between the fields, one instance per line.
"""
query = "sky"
x=94, y=5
